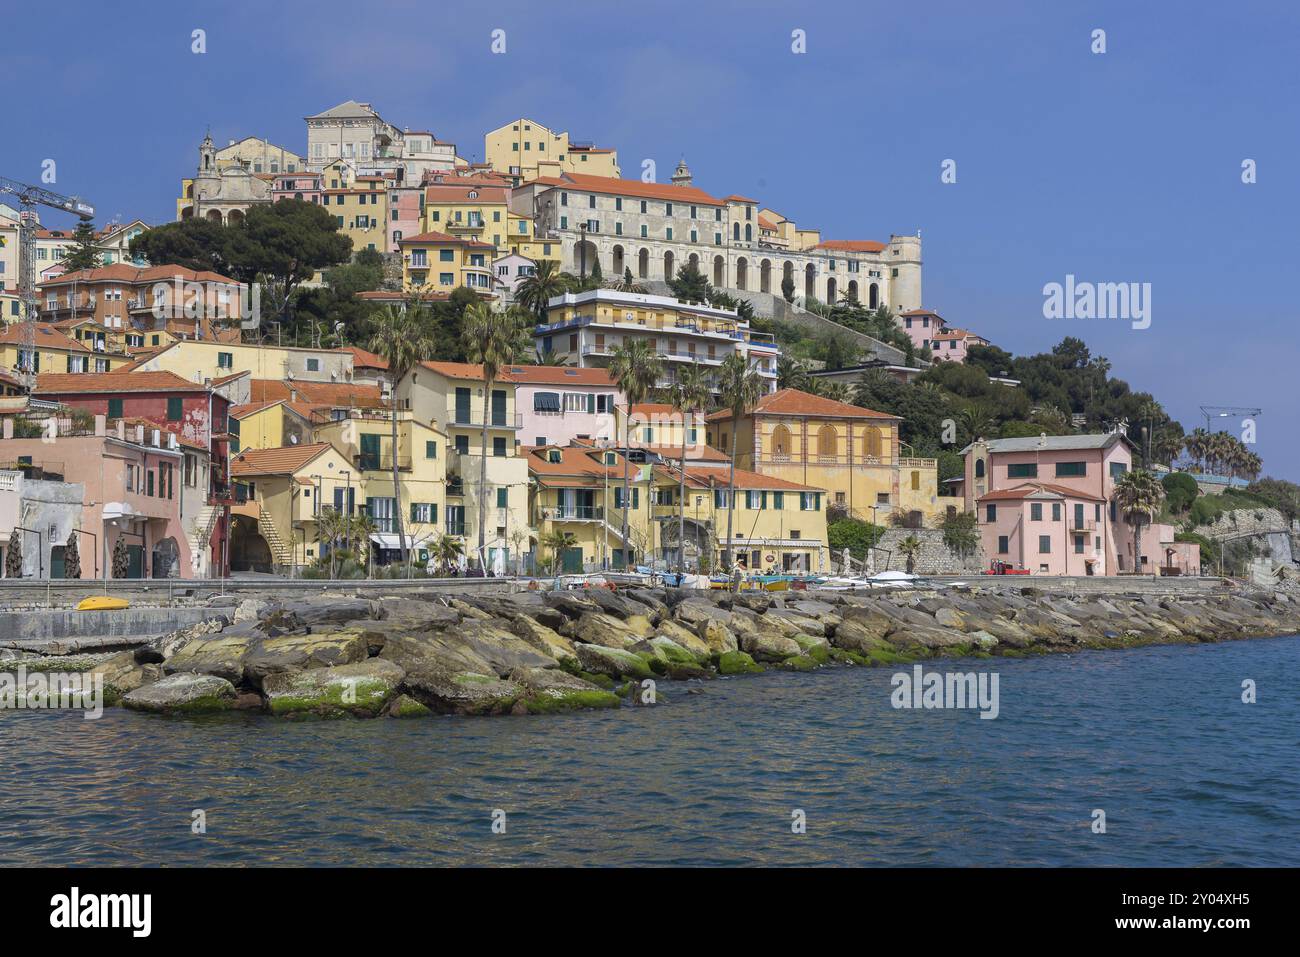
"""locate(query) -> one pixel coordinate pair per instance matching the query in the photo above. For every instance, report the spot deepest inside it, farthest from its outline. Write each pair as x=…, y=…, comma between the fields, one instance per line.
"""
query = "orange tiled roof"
x=58, y=383
x=559, y=375
x=851, y=245
x=1021, y=492
x=317, y=393
x=248, y=408
x=47, y=337
x=124, y=272
x=577, y=462
x=285, y=460
x=795, y=402
x=708, y=477
x=443, y=239
x=582, y=182
x=363, y=359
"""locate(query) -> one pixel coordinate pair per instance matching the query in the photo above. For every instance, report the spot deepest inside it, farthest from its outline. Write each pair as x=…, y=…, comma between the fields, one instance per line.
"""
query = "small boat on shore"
x=102, y=603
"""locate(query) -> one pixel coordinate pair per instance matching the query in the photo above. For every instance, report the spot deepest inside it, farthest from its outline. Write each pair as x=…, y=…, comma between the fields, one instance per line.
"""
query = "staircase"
x=281, y=552
x=201, y=537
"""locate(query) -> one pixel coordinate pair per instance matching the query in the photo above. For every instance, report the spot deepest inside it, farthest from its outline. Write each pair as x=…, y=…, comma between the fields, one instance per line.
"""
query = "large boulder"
x=421, y=650
x=548, y=691
x=570, y=604
x=361, y=689
x=670, y=651
x=183, y=693
x=161, y=648
x=737, y=663
x=542, y=638
x=502, y=649
x=716, y=635
x=461, y=692
x=327, y=610
x=299, y=652
x=613, y=662
x=861, y=635
x=598, y=628
x=121, y=673
x=687, y=639
x=220, y=654
x=693, y=611
x=764, y=646
x=413, y=612
x=614, y=604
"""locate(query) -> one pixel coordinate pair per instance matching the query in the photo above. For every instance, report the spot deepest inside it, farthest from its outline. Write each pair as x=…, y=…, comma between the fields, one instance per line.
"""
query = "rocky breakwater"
x=538, y=653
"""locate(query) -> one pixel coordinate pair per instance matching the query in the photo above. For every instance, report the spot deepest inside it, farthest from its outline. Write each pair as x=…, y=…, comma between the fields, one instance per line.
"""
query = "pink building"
x=951, y=345
x=1046, y=504
x=303, y=186
x=133, y=482
x=560, y=404
x=921, y=325
x=405, y=213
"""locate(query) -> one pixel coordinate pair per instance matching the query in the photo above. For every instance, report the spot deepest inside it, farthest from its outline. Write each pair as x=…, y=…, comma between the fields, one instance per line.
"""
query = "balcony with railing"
x=573, y=513
x=380, y=462
x=455, y=528
x=495, y=420
x=1081, y=526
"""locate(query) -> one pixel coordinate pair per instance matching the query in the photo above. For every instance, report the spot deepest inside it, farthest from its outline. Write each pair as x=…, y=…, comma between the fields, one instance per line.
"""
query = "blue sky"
x=1124, y=166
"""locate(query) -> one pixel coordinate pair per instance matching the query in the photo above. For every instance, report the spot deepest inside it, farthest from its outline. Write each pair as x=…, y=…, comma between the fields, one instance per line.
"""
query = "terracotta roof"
x=921, y=312
x=443, y=239
x=459, y=192
x=47, y=337
x=955, y=334
x=765, y=223
x=317, y=393
x=386, y=295
x=58, y=383
x=559, y=375
x=851, y=245
x=693, y=452
x=651, y=408
x=124, y=272
x=580, y=462
x=248, y=408
x=707, y=477
x=737, y=198
x=1035, y=489
x=285, y=460
x=795, y=402
x=581, y=182
x=363, y=359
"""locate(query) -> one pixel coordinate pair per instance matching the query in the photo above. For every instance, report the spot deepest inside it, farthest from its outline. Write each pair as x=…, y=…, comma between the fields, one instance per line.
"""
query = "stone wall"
x=935, y=557
x=1268, y=528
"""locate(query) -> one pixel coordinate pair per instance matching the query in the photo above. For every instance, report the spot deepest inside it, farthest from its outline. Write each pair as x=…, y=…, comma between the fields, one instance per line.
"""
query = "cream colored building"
x=525, y=150
x=449, y=397
x=198, y=360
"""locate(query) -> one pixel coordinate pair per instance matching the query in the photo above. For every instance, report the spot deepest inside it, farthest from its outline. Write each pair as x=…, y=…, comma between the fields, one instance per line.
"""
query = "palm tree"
x=546, y=282
x=1138, y=495
x=489, y=340
x=446, y=550
x=909, y=548
x=740, y=388
x=689, y=395
x=625, y=283
x=360, y=527
x=331, y=528
x=551, y=358
x=1196, y=445
x=790, y=373
x=635, y=367
x=557, y=542
x=977, y=420
x=399, y=339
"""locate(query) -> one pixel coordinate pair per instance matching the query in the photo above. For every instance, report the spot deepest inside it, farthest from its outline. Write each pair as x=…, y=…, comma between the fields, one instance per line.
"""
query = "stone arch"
x=742, y=273
x=187, y=212
x=782, y=442
x=765, y=276
x=810, y=281
x=719, y=271
x=694, y=261
x=853, y=290
x=735, y=232
x=618, y=265
x=873, y=296
x=166, y=556
x=214, y=216
x=585, y=257
x=234, y=217
x=831, y=288
x=668, y=265
x=643, y=264
x=828, y=441
x=787, y=272
x=979, y=468
x=749, y=232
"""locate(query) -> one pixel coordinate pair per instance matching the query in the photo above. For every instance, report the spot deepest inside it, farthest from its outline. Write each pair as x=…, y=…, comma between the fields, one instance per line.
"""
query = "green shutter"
x=763, y=501
x=636, y=497
x=591, y=402
x=115, y=408
x=174, y=409
x=503, y=498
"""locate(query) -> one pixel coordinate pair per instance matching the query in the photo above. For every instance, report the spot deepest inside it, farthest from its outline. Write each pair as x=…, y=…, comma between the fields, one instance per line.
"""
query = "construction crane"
x=29, y=197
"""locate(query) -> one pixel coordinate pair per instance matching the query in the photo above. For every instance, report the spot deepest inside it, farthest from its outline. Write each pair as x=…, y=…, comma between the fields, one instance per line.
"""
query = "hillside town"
x=365, y=355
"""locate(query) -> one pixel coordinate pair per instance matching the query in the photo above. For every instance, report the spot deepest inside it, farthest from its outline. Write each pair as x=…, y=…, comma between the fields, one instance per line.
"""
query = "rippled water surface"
x=1157, y=737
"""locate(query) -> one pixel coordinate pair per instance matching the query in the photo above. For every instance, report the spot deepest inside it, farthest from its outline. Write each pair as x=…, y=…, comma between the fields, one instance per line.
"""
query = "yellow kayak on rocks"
x=102, y=603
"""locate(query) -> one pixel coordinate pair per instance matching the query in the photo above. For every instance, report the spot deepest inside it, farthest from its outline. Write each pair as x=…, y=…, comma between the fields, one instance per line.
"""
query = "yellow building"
x=365, y=437
x=277, y=528
x=851, y=452
x=196, y=360
x=578, y=490
x=471, y=210
x=778, y=526
x=442, y=262
x=361, y=211
x=54, y=352
x=524, y=150
x=260, y=424
x=449, y=396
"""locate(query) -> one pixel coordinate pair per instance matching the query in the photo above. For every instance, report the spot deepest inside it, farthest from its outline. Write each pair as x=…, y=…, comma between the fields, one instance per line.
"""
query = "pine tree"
x=71, y=558
x=121, y=560
x=84, y=254
x=14, y=555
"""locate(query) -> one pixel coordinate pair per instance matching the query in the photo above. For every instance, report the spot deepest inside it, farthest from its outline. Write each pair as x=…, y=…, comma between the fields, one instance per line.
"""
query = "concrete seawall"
x=69, y=630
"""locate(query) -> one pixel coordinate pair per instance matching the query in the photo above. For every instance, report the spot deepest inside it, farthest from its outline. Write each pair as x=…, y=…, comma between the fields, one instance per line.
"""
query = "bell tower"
x=682, y=174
